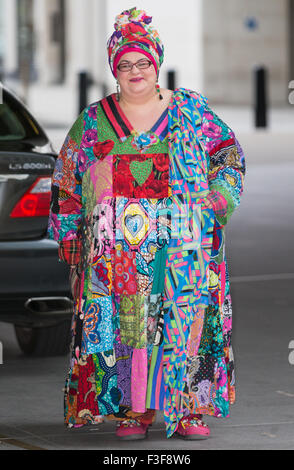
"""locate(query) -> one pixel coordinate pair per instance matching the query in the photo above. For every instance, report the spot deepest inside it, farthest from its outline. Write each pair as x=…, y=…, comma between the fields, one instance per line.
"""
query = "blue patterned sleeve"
x=226, y=165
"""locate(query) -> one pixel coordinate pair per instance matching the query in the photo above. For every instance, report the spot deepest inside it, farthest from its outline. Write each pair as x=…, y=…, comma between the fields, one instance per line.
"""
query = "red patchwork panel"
x=124, y=275
x=86, y=397
x=141, y=176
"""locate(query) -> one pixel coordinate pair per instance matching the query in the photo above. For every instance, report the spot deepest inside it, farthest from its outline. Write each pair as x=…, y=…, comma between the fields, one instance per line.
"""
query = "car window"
x=10, y=126
x=16, y=122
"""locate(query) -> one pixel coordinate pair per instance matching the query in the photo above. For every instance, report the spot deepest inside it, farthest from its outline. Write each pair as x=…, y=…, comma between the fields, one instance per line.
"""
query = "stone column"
x=10, y=36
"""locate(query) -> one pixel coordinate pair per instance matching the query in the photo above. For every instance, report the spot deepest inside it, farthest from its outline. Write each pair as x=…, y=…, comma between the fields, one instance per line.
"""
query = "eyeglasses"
x=141, y=65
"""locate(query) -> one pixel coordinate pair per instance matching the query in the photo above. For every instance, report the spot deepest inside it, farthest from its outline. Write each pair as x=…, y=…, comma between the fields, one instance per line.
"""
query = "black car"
x=34, y=285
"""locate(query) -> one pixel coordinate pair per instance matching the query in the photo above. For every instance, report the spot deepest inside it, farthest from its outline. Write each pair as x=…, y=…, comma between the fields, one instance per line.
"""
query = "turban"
x=133, y=32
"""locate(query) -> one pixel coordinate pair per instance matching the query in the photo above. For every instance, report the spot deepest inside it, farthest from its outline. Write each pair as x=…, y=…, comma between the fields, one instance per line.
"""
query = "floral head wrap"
x=134, y=33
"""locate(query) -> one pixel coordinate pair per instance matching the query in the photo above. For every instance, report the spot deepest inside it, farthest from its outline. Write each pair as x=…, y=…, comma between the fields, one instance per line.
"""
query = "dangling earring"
x=117, y=91
x=157, y=87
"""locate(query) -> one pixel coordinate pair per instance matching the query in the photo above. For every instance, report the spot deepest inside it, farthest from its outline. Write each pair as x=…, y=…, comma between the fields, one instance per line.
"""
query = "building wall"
x=89, y=24
x=232, y=50
x=206, y=43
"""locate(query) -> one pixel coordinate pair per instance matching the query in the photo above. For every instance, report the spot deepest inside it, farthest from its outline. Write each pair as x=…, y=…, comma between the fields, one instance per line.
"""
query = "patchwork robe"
x=152, y=317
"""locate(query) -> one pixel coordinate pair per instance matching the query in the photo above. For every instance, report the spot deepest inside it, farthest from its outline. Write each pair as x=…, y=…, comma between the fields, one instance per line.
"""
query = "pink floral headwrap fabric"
x=133, y=32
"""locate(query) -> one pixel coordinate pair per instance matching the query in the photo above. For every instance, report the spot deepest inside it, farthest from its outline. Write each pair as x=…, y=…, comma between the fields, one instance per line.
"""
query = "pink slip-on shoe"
x=131, y=429
x=192, y=427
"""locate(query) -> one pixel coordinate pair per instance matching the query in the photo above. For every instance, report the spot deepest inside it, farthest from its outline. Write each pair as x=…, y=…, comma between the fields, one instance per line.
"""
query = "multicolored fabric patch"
x=132, y=321
x=152, y=318
x=141, y=176
x=124, y=272
x=97, y=326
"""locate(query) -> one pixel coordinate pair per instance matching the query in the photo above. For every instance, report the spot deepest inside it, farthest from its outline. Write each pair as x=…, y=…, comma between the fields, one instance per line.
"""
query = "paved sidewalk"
x=263, y=417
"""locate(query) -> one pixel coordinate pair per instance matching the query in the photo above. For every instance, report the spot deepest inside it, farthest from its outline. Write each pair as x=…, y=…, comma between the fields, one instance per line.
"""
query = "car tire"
x=44, y=341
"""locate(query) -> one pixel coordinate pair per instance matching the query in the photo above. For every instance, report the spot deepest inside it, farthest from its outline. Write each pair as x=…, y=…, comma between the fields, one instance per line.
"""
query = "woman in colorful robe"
x=140, y=217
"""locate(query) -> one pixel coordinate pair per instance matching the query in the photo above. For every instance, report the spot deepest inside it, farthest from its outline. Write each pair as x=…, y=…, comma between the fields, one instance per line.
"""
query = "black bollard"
x=260, y=81
x=171, y=80
x=83, y=82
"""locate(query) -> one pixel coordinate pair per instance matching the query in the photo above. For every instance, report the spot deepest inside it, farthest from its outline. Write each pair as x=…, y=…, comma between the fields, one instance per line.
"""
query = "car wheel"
x=44, y=341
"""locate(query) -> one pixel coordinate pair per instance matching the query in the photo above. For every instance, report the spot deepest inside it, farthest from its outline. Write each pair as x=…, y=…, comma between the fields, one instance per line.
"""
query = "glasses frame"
x=135, y=63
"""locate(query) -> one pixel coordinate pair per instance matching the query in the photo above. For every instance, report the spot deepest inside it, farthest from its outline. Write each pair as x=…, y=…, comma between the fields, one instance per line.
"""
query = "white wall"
x=10, y=35
x=232, y=50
